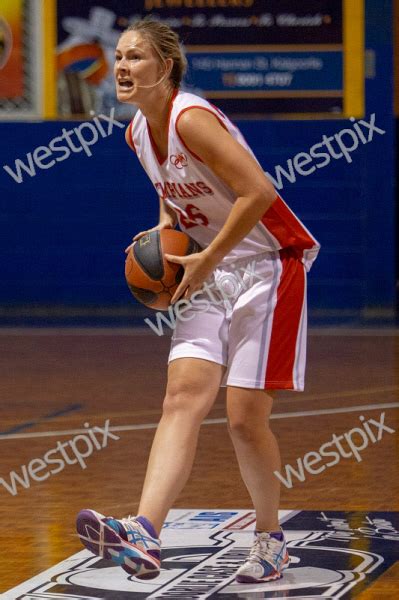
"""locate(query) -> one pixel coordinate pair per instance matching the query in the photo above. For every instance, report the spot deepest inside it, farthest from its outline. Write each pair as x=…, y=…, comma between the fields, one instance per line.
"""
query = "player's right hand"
x=142, y=233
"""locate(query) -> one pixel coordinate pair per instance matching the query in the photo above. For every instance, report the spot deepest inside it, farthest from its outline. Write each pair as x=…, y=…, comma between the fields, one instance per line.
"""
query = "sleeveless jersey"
x=202, y=200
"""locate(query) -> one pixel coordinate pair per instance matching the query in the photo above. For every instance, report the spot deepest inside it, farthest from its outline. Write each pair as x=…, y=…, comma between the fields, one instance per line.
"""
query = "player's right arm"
x=128, y=138
x=167, y=216
x=167, y=220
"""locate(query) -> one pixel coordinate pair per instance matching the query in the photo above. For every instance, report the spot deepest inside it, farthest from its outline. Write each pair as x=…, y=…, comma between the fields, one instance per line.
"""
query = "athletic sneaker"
x=267, y=559
x=129, y=542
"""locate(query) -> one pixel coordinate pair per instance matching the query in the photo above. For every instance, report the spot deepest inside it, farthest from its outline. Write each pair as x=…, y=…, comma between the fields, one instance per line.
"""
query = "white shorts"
x=250, y=317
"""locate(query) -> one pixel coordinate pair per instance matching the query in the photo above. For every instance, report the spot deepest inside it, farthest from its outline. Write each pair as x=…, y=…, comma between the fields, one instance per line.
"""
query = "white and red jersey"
x=202, y=200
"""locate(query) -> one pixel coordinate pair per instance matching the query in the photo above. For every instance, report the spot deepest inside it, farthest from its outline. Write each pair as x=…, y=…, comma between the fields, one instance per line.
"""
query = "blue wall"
x=63, y=231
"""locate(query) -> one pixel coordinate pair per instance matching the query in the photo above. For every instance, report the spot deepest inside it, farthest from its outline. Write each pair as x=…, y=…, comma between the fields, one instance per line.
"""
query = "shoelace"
x=263, y=549
x=126, y=521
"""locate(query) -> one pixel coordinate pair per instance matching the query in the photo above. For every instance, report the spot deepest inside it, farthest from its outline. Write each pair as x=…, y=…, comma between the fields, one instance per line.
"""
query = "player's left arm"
x=235, y=166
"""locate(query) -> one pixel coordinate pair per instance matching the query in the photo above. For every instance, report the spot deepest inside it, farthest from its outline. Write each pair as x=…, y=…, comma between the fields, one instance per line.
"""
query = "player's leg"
x=257, y=451
x=193, y=385
x=258, y=457
x=133, y=543
x=196, y=366
x=267, y=347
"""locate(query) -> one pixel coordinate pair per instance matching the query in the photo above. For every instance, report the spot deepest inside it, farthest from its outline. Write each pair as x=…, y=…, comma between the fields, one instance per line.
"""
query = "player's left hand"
x=197, y=268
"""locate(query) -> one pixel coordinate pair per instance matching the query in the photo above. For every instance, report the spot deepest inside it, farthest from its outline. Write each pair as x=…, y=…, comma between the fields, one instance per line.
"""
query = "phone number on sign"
x=257, y=79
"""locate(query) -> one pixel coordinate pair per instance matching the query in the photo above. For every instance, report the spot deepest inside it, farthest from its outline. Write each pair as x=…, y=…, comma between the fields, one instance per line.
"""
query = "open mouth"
x=125, y=84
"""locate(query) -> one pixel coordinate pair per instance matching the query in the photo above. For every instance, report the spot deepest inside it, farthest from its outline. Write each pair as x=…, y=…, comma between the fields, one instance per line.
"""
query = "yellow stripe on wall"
x=353, y=33
x=49, y=28
x=395, y=56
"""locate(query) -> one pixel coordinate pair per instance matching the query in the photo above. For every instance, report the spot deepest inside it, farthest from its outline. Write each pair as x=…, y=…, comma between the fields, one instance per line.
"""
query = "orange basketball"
x=150, y=277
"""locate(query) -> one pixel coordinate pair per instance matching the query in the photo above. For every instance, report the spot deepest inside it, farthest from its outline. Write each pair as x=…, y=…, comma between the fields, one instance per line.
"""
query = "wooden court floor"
x=53, y=381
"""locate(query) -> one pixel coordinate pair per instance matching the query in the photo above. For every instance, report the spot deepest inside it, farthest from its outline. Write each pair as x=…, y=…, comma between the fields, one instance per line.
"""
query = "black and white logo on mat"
x=333, y=554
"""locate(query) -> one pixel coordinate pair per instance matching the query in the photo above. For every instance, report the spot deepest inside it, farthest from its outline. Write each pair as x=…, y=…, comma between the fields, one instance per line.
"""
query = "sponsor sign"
x=254, y=57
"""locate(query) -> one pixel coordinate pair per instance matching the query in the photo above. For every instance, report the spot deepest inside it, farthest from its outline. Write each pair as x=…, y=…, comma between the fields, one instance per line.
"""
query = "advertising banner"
x=255, y=57
x=11, y=57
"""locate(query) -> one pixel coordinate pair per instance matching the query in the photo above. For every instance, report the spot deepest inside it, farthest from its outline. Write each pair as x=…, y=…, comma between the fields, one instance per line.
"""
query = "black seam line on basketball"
x=147, y=297
x=192, y=247
x=139, y=258
x=160, y=255
x=161, y=271
x=179, y=275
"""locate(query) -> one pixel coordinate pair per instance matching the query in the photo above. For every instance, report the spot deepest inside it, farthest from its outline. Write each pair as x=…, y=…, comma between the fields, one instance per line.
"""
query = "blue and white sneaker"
x=267, y=559
x=127, y=542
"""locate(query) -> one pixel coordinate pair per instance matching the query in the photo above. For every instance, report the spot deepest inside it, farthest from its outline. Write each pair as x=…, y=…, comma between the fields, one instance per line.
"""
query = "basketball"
x=150, y=277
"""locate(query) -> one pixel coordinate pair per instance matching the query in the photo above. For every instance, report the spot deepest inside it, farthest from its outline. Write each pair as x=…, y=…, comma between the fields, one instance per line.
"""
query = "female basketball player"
x=253, y=339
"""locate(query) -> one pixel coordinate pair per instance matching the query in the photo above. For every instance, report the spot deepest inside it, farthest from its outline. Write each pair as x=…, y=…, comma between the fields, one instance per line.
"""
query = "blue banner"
x=267, y=70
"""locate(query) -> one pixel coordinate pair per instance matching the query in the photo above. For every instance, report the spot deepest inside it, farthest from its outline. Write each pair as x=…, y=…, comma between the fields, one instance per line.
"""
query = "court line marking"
x=221, y=405
x=289, y=415
x=57, y=413
x=291, y=399
x=145, y=331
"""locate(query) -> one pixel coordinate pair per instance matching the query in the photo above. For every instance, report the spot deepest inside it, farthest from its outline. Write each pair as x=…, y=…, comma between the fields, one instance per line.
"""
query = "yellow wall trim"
x=49, y=21
x=354, y=26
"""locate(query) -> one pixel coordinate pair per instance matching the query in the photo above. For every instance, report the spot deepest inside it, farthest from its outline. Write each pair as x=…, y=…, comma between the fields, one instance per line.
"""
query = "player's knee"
x=240, y=430
x=183, y=397
x=245, y=429
x=174, y=402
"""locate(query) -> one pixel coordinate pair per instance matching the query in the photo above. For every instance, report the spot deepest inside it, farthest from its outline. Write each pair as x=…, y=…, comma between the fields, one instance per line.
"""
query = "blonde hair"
x=166, y=44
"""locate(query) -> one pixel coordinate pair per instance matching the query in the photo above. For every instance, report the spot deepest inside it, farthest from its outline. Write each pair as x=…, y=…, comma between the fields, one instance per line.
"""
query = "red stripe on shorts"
x=286, y=321
x=285, y=227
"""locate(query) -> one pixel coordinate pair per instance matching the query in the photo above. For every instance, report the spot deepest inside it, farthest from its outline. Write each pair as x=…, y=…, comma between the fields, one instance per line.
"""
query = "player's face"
x=136, y=64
